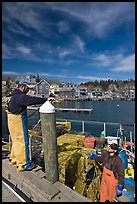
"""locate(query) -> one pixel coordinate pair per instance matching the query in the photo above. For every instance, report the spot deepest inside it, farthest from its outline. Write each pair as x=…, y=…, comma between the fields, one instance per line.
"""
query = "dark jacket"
x=19, y=101
x=113, y=163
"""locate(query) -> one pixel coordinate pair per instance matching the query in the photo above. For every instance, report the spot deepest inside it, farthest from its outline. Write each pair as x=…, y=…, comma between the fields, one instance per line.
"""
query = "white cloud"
x=52, y=75
x=103, y=60
x=17, y=11
x=23, y=49
x=127, y=64
x=63, y=26
x=100, y=16
x=15, y=28
x=78, y=44
x=92, y=78
x=100, y=19
x=62, y=53
x=6, y=52
x=115, y=62
x=10, y=73
x=41, y=74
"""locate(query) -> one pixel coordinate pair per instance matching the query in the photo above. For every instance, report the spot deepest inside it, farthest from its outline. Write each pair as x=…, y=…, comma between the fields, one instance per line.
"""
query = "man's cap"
x=114, y=146
x=23, y=82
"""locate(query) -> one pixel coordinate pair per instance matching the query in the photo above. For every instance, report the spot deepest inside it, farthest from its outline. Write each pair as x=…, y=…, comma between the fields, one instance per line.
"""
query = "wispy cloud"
x=63, y=26
x=102, y=59
x=23, y=49
x=6, y=53
x=95, y=38
x=115, y=62
x=98, y=17
x=14, y=11
x=78, y=43
x=76, y=47
x=18, y=29
x=63, y=52
x=11, y=73
x=126, y=64
x=90, y=78
x=41, y=74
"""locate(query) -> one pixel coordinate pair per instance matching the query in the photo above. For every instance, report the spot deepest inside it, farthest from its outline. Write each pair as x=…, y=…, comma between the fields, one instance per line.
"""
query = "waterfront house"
x=66, y=93
x=43, y=89
x=132, y=94
x=91, y=94
x=54, y=88
x=115, y=95
x=3, y=83
x=81, y=92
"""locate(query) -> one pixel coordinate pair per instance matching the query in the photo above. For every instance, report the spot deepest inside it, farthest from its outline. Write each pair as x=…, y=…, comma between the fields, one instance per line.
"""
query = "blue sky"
x=69, y=41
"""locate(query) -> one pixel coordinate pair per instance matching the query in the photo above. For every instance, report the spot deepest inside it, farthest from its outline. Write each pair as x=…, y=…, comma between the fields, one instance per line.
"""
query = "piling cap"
x=47, y=107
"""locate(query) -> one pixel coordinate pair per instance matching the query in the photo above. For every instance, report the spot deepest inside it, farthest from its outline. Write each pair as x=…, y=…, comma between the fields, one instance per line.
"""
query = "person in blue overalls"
x=18, y=125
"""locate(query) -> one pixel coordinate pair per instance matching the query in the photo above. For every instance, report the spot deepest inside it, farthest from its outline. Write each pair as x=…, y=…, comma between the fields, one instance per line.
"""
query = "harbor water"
x=122, y=112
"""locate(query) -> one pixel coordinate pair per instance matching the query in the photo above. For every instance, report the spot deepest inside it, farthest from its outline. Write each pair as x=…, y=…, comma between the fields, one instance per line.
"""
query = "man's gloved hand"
x=91, y=155
x=51, y=98
x=119, y=190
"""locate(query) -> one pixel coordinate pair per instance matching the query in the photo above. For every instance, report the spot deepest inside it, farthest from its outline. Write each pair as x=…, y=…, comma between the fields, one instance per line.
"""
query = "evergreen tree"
x=37, y=78
x=8, y=82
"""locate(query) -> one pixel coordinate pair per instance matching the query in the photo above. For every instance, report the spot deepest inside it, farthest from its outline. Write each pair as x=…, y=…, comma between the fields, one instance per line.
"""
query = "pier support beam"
x=48, y=127
x=131, y=141
x=105, y=130
x=83, y=127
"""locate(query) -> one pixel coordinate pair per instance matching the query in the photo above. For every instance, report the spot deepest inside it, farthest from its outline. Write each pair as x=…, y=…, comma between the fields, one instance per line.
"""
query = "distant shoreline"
x=77, y=100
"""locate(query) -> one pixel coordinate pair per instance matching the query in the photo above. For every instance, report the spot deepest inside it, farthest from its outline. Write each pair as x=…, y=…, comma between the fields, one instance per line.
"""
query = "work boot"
x=20, y=169
x=30, y=167
x=26, y=168
x=12, y=162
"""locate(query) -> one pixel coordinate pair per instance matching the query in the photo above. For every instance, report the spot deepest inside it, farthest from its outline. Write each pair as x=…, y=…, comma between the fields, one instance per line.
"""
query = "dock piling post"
x=48, y=127
x=83, y=131
x=104, y=130
x=131, y=141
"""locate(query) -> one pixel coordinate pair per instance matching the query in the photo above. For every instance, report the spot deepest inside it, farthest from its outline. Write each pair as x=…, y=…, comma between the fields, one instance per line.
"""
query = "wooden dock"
x=76, y=110
x=34, y=185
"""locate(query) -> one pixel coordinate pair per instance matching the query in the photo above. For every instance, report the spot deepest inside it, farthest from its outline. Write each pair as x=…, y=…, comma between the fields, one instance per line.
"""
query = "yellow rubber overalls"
x=18, y=128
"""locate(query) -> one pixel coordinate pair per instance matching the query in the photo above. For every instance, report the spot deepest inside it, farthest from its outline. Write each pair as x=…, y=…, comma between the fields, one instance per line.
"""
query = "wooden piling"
x=48, y=127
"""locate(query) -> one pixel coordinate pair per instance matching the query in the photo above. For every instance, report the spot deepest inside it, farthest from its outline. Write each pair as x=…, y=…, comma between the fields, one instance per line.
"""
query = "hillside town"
x=68, y=91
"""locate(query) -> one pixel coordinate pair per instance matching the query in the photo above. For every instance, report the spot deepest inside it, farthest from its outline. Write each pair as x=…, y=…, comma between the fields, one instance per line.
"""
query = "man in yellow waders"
x=112, y=182
x=18, y=125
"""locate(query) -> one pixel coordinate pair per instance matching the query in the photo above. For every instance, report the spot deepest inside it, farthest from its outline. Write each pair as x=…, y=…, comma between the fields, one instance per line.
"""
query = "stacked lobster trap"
x=76, y=170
